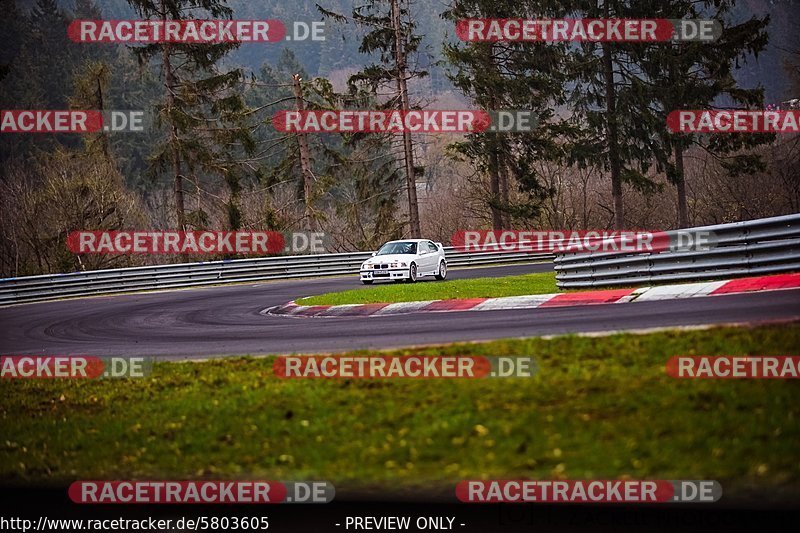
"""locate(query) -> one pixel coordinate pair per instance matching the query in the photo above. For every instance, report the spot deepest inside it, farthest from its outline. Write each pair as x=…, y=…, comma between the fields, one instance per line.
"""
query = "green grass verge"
x=541, y=283
x=599, y=408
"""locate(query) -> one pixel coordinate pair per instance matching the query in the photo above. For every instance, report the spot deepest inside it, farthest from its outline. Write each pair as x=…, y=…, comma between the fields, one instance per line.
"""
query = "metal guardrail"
x=762, y=246
x=184, y=275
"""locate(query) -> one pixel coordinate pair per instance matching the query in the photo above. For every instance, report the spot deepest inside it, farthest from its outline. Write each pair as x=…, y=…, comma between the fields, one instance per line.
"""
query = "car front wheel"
x=442, y=271
x=412, y=273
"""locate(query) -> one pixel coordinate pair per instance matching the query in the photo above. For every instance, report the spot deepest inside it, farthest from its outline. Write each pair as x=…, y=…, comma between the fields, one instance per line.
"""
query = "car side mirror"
x=374, y=254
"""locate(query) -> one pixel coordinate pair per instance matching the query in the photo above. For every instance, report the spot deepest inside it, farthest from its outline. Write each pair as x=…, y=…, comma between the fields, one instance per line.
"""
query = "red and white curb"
x=567, y=299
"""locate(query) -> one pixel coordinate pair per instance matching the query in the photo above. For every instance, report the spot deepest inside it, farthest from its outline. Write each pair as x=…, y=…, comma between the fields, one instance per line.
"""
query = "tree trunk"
x=680, y=185
x=103, y=135
x=408, y=150
x=501, y=155
x=305, y=159
x=494, y=187
x=504, y=196
x=169, y=83
x=613, y=141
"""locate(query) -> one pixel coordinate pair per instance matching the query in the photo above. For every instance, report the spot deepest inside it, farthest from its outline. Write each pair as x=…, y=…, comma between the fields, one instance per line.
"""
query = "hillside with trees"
x=210, y=158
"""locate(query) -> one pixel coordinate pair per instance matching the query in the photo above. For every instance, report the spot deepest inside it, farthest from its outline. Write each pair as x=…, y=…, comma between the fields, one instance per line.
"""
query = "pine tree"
x=700, y=75
x=605, y=97
x=351, y=175
x=202, y=108
x=38, y=64
x=391, y=35
x=510, y=75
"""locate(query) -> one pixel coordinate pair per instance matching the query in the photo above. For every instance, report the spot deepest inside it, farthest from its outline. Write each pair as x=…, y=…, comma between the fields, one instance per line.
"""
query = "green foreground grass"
x=541, y=283
x=599, y=408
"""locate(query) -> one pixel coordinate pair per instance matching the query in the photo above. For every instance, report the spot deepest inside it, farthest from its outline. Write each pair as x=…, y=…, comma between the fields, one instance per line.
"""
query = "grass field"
x=598, y=408
x=541, y=283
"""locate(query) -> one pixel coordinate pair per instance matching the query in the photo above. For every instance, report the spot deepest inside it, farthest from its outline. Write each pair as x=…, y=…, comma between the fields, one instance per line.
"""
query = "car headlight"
x=403, y=264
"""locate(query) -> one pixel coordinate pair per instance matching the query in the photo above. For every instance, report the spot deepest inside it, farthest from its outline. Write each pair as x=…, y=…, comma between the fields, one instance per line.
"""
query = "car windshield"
x=398, y=248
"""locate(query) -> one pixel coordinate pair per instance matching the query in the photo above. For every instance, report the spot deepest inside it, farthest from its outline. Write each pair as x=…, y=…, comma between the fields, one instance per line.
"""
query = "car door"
x=437, y=253
x=431, y=257
x=422, y=258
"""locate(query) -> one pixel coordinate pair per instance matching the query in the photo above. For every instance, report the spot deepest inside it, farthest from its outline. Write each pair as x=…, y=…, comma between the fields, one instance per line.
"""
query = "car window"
x=432, y=247
x=398, y=248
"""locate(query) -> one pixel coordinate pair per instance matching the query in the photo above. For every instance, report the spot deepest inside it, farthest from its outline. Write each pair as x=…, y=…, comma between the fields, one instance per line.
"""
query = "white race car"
x=408, y=259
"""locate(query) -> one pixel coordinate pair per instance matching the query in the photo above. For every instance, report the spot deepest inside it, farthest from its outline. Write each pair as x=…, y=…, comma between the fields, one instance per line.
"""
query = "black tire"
x=412, y=273
x=366, y=281
x=442, y=271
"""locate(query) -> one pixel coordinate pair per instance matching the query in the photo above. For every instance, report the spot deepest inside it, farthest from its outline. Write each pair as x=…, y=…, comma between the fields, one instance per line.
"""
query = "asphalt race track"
x=226, y=320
